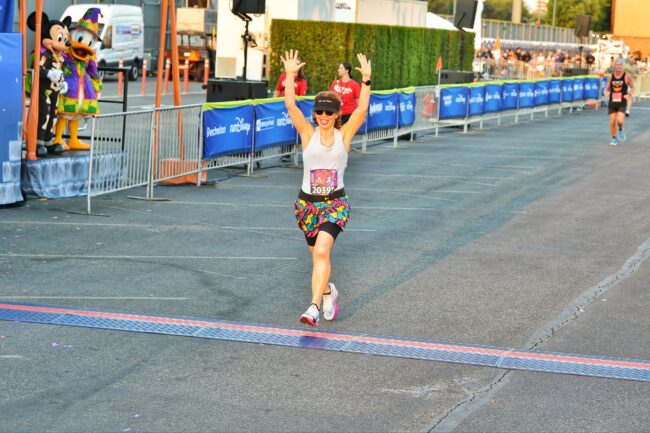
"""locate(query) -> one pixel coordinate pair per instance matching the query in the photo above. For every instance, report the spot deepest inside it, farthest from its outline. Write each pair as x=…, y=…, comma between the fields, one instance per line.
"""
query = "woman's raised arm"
x=291, y=68
x=359, y=114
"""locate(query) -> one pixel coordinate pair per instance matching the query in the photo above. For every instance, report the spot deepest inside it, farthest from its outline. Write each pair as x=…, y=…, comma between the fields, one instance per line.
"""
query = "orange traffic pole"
x=144, y=76
x=32, y=116
x=206, y=71
x=168, y=65
x=161, y=51
x=175, y=61
x=186, y=76
x=176, y=81
x=159, y=80
x=120, y=77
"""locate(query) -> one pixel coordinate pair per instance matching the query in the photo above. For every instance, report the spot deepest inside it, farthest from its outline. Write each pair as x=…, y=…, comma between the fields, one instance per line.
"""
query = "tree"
x=566, y=11
x=441, y=7
x=502, y=10
x=492, y=9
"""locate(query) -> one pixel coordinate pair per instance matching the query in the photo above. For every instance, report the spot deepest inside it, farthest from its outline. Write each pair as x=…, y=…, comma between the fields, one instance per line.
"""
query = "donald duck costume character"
x=84, y=82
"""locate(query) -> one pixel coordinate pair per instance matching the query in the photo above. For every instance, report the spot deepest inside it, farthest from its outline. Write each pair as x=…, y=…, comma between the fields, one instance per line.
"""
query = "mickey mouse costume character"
x=54, y=42
x=84, y=81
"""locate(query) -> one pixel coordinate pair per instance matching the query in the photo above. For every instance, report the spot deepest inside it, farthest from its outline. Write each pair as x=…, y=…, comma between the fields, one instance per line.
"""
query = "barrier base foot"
x=74, y=212
x=148, y=199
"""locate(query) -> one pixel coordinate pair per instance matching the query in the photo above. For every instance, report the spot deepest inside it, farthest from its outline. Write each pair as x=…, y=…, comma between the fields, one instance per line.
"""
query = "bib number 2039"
x=323, y=181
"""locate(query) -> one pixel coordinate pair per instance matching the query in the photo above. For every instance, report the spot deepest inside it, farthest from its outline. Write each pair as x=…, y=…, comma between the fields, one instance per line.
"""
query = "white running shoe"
x=310, y=317
x=330, y=309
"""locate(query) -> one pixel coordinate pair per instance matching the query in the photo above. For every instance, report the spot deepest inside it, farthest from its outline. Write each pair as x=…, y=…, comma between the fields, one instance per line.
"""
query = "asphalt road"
x=531, y=236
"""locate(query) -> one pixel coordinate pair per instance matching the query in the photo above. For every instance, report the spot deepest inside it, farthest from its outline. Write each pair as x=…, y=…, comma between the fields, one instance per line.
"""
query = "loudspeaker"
x=465, y=13
x=248, y=6
x=583, y=25
x=455, y=77
x=235, y=90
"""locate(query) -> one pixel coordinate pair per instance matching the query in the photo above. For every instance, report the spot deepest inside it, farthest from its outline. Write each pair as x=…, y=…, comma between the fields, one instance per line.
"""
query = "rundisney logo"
x=513, y=93
x=477, y=99
x=446, y=100
x=406, y=107
x=284, y=120
x=460, y=99
x=377, y=107
x=217, y=130
x=390, y=106
x=240, y=126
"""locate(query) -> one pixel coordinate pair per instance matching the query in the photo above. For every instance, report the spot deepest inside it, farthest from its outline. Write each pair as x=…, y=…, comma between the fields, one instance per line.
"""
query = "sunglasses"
x=325, y=112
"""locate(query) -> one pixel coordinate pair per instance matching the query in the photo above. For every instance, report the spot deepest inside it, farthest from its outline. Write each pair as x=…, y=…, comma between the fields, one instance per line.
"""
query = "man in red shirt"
x=348, y=89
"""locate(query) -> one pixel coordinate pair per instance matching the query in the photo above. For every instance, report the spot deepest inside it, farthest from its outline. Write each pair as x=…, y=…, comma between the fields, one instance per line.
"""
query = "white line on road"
x=116, y=257
x=129, y=298
x=163, y=226
x=233, y=186
x=193, y=203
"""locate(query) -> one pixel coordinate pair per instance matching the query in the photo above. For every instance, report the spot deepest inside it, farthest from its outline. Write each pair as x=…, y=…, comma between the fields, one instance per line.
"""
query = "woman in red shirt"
x=348, y=89
x=299, y=84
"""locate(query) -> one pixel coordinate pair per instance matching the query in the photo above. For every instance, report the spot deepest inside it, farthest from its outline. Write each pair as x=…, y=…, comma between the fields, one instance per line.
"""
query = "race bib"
x=323, y=181
x=617, y=96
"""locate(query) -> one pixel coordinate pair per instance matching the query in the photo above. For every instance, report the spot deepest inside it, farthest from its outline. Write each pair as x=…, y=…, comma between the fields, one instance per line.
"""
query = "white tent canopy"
x=437, y=22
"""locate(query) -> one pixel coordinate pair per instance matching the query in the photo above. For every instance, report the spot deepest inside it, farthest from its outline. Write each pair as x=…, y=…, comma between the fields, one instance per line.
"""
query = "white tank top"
x=324, y=167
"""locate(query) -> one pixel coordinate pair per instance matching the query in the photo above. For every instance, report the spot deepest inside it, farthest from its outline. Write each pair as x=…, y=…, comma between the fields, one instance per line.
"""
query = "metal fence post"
x=155, y=116
x=200, y=155
x=90, y=168
x=466, y=113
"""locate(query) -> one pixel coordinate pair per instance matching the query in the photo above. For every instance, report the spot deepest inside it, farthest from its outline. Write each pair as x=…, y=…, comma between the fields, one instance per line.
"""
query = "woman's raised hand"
x=291, y=63
x=366, y=69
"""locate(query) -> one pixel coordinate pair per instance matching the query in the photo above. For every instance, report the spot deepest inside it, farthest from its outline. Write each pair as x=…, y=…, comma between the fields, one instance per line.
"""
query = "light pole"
x=554, y=9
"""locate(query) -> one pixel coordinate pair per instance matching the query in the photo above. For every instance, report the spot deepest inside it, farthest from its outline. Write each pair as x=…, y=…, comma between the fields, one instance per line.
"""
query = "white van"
x=122, y=31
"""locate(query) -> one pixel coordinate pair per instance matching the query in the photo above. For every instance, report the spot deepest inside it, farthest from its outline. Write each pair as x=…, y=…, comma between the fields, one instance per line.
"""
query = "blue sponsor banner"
x=541, y=93
x=382, y=111
x=273, y=125
x=227, y=130
x=406, y=109
x=554, y=92
x=7, y=16
x=578, y=89
x=493, y=97
x=11, y=49
x=526, y=94
x=591, y=88
x=476, y=100
x=306, y=106
x=567, y=90
x=453, y=102
x=510, y=96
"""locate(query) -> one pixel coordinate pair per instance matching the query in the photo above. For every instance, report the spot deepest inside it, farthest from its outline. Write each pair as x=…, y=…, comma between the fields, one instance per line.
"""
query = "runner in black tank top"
x=617, y=90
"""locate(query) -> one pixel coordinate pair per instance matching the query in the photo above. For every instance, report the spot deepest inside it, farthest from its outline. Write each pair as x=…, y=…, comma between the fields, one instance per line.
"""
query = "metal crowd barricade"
x=167, y=145
x=177, y=144
x=120, y=158
x=643, y=86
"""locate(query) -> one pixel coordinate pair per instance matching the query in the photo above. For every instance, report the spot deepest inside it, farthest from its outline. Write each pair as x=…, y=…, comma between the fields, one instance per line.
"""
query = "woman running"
x=322, y=208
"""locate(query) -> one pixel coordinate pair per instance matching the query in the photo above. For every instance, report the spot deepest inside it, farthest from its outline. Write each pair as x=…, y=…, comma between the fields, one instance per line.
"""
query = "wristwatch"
x=367, y=83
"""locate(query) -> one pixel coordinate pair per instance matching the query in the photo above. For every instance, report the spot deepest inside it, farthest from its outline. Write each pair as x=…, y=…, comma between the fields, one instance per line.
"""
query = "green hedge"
x=401, y=56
